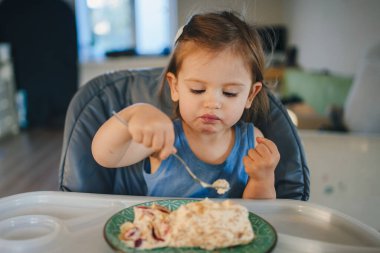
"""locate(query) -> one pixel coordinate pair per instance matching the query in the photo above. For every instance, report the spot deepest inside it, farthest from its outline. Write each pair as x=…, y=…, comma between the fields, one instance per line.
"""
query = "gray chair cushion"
x=93, y=104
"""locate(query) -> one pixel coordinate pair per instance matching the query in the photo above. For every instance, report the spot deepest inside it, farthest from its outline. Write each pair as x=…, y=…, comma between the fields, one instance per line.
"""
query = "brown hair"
x=216, y=31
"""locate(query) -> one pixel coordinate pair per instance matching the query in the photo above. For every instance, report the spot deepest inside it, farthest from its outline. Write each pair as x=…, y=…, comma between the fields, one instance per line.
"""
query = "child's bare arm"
x=260, y=164
x=149, y=130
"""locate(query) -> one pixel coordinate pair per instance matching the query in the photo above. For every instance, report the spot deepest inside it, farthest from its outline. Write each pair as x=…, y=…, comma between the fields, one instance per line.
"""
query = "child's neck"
x=210, y=148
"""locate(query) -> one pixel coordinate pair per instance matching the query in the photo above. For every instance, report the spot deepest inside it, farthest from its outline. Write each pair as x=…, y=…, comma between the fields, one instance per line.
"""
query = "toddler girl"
x=215, y=75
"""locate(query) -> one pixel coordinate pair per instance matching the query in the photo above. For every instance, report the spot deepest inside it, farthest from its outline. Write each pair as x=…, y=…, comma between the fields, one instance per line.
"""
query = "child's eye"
x=229, y=94
x=197, y=91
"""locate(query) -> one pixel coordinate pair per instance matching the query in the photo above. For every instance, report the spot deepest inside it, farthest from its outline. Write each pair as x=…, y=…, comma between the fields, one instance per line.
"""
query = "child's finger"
x=137, y=136
x=169, y=138
x=268, y=143
x=248, y=163
x=147, y=139
x=253, y=154
x=165, y=155
x=158, y=141
x=168, y=147
x=263, y=150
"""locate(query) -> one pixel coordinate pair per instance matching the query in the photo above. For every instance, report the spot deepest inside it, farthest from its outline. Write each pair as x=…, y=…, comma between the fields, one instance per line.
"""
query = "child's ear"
x=172, y=81
x=256, y=87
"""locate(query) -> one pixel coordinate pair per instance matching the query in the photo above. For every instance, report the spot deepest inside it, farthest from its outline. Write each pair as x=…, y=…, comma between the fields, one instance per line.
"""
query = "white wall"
x=258, y=11
x=333, y=34
x=330, y=35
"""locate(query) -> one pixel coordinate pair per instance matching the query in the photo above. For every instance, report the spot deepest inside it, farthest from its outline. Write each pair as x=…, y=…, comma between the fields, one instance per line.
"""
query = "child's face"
x=212, y=89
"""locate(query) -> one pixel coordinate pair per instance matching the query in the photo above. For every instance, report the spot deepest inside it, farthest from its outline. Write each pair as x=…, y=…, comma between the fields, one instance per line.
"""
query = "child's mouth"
x=209, y=118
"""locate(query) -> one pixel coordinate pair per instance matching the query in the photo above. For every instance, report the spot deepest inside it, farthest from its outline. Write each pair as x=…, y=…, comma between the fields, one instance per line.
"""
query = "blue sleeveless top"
x=172, y=180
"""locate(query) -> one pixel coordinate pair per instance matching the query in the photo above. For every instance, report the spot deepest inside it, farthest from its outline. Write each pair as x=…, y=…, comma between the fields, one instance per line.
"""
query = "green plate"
x=264, y=241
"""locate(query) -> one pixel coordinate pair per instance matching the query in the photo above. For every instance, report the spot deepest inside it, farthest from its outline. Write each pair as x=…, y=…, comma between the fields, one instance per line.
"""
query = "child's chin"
x=209, y=129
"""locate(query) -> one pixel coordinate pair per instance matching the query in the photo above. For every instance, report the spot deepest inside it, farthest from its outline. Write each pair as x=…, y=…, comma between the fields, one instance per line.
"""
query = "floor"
x=29, y=161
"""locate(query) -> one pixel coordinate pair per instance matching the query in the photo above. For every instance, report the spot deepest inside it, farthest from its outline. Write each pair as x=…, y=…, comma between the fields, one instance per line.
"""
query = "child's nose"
x=213, y=101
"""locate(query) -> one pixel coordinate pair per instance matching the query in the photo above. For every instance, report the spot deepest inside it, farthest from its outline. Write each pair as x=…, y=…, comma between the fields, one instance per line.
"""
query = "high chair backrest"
x=93, y=105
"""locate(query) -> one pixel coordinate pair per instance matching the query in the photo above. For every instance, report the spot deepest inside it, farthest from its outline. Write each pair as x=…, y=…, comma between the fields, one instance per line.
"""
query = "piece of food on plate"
x=206, y=224
x=150, y=228
x=209, y=225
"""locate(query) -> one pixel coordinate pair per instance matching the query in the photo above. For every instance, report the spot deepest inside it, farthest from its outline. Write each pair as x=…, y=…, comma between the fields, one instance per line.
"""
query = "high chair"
x=93, y=105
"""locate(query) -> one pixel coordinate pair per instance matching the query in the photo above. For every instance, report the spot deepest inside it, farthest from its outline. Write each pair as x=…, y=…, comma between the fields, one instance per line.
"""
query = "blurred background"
x=324, y=59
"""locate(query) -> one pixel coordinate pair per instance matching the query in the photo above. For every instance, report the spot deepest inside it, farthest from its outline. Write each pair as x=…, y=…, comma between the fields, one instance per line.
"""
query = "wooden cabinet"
x=274, y=73
x=273, y=76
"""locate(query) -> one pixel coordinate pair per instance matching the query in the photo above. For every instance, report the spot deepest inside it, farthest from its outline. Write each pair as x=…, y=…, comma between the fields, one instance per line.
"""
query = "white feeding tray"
x=73, y=222
x=29, y=232
x=306, y=227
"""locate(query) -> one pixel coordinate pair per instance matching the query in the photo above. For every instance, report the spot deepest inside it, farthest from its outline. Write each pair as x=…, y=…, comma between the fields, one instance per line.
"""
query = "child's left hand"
x=261, y=161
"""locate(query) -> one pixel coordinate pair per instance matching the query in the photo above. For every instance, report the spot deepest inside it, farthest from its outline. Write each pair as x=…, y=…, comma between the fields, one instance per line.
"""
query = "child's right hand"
x=149, y=132
x=151, y=127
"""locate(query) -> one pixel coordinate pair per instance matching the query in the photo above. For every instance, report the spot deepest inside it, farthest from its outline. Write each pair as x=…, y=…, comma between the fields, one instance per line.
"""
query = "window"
x=125, y=27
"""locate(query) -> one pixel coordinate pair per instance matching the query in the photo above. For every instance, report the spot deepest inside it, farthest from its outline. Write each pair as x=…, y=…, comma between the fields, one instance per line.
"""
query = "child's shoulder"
x=258, y=132
x=249, y=127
